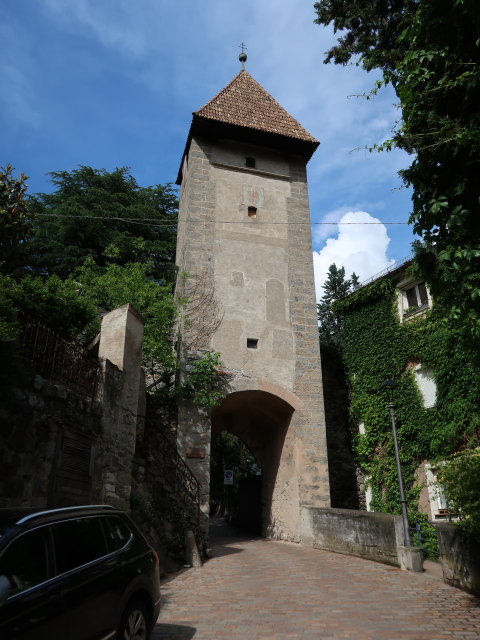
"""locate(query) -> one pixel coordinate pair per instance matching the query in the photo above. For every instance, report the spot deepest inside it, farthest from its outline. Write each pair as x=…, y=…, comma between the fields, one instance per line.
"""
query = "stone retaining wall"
x=374, y=536
x=460, y=558
x=59, y=446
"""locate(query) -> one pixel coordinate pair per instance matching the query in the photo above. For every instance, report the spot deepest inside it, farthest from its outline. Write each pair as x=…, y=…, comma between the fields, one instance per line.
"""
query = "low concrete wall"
x=374, y=536
x=460, y=558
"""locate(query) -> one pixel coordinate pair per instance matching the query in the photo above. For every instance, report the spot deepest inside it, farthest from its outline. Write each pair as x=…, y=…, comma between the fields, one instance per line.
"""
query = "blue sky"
x=111, y=83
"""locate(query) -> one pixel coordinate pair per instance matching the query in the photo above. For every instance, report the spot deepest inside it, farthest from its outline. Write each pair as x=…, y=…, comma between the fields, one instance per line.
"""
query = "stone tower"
x=244, y=242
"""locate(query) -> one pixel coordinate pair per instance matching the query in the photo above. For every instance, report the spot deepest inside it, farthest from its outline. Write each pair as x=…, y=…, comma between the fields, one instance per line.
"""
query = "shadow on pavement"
x=223, y=535
x=172, y=632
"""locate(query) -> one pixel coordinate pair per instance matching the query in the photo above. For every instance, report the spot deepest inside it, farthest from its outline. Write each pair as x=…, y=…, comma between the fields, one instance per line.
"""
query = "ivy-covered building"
x=393, y=329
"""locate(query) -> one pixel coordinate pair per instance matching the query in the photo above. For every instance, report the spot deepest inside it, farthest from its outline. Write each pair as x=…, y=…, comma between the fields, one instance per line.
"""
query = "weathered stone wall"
x=375, y=536
x=31, y=429
x=59, y=446
x=460, y=558
x=157, y=505
x=120, y=344
x=309, y=422
x=261, y=271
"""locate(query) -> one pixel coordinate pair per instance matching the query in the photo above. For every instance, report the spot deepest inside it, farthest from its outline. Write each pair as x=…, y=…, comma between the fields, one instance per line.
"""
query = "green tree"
x=114, y=285
x=100, y=241
x=460, y=477
x=335, y=287
x=50, y=300
x=369, y=29
x=429, y=52
x=15, y=219
x=105, y=216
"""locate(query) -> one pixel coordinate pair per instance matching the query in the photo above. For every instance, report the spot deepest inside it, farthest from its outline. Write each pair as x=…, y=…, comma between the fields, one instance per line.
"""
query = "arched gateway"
x=244, y=242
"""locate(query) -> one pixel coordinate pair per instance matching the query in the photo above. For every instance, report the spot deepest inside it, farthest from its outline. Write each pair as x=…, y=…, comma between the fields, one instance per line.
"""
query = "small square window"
x=252, y=212
x=250, y=162
x=252, y=343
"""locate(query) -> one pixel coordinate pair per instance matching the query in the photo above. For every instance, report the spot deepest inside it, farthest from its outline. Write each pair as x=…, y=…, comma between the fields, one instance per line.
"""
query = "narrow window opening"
x=252, y=343
x=250, y=162
x=252, y=212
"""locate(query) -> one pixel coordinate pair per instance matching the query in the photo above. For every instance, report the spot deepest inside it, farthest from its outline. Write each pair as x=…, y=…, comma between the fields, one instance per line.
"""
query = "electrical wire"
x=149, y=222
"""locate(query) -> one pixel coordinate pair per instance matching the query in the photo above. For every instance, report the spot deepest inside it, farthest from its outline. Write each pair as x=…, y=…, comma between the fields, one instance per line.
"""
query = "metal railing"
x=56, y=358
x=183, y=483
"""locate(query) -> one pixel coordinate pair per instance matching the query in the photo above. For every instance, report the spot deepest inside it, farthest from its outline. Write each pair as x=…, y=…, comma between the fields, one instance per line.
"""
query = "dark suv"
x=82, y=573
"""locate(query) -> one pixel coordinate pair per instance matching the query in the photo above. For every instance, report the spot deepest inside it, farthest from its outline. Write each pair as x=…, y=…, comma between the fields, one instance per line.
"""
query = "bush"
x=460, y=477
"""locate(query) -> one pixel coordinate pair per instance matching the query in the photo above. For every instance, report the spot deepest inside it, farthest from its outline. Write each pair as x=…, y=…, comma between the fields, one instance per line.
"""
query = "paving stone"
x=254, y=589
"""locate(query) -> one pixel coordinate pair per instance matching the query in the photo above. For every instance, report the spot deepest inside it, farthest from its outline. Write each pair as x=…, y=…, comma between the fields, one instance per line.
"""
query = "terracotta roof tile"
x=243, y=102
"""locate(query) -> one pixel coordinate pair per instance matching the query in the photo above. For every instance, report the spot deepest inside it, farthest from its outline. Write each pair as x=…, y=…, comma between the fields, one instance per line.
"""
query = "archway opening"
x=235, y=483
x=260, y=421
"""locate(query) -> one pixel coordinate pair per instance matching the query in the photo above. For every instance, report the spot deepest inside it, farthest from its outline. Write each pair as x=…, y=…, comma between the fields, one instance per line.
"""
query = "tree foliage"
x=105, y=216
x=113, y=286
x=460, y=477
x=99, y=241
x=430, y=53
x=52, y=301
x=335, y=287
x=369, y=29
x=202, y=383
x=15, y=219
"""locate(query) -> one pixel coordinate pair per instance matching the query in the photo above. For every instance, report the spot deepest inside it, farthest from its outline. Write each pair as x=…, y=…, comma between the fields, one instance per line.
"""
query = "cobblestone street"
x=254, y=589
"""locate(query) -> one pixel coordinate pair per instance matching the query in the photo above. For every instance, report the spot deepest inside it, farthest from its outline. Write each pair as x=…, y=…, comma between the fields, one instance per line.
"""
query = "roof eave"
x=209, y=128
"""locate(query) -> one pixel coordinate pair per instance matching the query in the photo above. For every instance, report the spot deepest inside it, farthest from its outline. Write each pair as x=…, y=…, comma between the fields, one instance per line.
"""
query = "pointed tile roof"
x=244, y=103
x=244, y=111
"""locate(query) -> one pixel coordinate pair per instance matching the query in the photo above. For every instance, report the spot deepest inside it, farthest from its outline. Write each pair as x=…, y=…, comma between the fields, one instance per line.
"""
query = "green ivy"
x=201, y=382
x=378, y=346
x=460, y=476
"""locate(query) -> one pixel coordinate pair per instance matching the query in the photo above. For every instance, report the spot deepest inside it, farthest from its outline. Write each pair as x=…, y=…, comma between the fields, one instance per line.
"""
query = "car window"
x=78, y=542
x=117, y=532
x=25, y=562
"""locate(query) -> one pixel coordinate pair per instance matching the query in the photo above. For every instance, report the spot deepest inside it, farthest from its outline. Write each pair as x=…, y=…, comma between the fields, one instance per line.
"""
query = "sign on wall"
x=228, y=476
x=252, y=196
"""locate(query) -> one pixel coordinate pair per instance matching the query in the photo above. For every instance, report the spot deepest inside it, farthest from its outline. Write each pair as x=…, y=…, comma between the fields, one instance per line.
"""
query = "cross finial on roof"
x=243, y=56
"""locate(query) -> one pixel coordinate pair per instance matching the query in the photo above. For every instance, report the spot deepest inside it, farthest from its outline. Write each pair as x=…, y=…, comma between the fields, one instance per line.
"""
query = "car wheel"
x=134, y=623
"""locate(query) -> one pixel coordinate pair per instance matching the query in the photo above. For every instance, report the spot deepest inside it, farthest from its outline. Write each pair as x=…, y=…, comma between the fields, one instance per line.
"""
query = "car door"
x=31, y=610
x=91, y=578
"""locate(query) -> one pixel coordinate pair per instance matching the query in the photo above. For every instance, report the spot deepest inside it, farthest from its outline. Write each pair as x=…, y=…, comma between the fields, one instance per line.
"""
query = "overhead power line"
x=149, y=222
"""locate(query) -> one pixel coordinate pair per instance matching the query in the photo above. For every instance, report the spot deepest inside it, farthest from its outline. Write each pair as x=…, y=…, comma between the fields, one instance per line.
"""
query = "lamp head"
x=389, y=385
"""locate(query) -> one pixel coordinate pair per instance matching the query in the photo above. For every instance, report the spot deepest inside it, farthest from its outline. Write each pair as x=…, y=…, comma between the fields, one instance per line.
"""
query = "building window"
x=252, y=212
x=250, y=162
x=252, y=343
x=425, y=378
x=366, y=484
x=417, y=296
x=436, y=495
x=414, y=298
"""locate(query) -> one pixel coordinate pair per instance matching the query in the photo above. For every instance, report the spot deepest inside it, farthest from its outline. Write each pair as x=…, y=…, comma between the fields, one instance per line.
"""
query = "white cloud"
x=328, y=224
x=360, y=248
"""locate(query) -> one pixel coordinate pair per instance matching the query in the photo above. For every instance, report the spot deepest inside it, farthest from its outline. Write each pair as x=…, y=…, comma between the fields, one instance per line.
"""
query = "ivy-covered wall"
x=378, y=346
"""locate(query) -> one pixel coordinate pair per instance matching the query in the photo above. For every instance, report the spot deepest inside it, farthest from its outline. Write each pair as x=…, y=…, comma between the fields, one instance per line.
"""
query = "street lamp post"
x=389, y=386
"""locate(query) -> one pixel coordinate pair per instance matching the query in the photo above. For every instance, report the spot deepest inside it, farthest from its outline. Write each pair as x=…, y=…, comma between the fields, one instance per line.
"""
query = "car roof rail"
x=63, y=510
